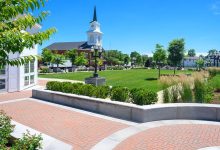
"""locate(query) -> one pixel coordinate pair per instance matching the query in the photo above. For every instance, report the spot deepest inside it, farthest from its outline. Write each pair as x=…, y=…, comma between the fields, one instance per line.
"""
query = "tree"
x=159, y=56
x=58, y=59
x=176, y=52
x=81, y=60
x=144, y=60
x=126, y=59
x=212, y=52
x=191, y=53
x=135, y=58
x=16, y=17
x=200, y=63
x=47, y=56
x=72, y=54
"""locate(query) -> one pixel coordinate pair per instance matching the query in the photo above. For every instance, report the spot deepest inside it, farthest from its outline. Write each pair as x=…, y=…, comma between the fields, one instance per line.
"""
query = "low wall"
x=132, y=112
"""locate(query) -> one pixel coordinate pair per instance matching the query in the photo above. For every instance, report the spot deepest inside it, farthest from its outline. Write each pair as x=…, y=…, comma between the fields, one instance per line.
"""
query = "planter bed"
x=132, y=112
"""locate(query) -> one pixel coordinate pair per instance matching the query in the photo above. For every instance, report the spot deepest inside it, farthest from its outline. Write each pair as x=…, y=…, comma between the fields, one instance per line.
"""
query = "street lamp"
x=96, y=53
x=95, y=79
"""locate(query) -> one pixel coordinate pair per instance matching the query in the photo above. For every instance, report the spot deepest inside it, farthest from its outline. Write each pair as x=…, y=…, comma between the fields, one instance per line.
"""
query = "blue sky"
x=139, y=25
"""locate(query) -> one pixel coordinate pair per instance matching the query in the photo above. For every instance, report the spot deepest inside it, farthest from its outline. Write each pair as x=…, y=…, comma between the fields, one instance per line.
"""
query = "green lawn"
x=137, y=78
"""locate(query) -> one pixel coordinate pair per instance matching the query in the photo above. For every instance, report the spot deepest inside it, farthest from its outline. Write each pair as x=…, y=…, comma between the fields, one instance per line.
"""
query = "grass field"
x=137, y=78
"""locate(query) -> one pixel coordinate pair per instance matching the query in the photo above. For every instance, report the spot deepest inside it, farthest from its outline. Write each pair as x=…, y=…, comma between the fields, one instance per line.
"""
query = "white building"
x=13, y=78
x=190, y=61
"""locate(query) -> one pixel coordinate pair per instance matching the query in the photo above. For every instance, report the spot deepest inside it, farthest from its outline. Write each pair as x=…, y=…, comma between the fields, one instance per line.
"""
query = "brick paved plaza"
x=85, y=130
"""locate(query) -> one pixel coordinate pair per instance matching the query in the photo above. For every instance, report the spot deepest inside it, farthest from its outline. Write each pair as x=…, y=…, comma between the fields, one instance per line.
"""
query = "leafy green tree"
x=15, y=19
x=47, y=56
x=191, y=53
x=126, y=59
x=58, y=59
x=144, y=60
x=212, y=52
x=159, y=56
x=135, y=58
x=81, y=60
x=113, y=57
x=200, y=63
x=72, y=55
x=176, y=52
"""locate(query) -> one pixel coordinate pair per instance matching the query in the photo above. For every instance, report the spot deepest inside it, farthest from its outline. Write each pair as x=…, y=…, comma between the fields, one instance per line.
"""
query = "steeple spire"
x=94, y=15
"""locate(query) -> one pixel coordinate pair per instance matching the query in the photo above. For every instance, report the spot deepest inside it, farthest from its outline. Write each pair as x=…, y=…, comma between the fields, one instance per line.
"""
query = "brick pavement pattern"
x=21, y=94
x=80, y=130
x=15, y=95
x=174, y=137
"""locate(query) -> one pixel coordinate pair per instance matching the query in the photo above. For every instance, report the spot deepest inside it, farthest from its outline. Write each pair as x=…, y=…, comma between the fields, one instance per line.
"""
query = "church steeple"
x=94, y=15
x=94, y=33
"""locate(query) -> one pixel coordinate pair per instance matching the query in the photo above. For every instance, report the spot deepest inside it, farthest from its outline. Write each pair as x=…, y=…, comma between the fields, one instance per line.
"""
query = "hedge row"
x=136, y=96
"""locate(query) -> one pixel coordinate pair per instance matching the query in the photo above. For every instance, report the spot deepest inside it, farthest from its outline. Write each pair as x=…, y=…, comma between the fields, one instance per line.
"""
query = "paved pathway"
x=84, y=130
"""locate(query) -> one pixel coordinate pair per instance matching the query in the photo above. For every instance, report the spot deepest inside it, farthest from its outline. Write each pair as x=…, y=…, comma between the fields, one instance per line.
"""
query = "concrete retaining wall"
x=132, y=112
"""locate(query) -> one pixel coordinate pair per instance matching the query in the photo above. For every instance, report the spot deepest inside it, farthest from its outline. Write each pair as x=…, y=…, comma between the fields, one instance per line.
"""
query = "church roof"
x=65, y=45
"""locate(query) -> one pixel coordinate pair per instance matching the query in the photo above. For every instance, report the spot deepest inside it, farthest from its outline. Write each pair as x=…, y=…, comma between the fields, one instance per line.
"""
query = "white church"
x=94, y=39
x=13, y=78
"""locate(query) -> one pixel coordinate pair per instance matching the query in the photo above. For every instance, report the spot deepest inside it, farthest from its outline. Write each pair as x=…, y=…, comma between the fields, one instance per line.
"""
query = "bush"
x=213, y=71
x=143, y=97
x=87, y=90
x=115, y=68
x=5, y=129
x=44, y=70
x=54, y=86
x=102, y=92
x=120, y=94
x=28, y=142
x=66, y=87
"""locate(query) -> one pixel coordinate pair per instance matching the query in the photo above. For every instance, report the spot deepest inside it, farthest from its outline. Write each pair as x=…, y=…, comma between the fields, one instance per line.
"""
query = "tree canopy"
x=191, y=53
x=176, y=52
x=15, y=19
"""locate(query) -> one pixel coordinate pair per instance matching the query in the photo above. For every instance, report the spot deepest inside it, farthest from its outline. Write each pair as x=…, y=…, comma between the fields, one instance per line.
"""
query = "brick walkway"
x=174, y=137
x=21, y=94
x=80, y=130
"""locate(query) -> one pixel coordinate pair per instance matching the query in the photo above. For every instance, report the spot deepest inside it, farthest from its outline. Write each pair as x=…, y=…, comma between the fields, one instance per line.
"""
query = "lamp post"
x=96, y=53
x=95, y=79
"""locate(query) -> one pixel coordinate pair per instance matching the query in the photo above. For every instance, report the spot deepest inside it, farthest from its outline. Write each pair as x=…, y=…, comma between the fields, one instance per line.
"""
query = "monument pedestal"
x=97, y=81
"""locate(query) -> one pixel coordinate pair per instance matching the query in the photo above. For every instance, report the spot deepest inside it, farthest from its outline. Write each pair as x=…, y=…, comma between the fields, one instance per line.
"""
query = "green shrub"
x=120, y=94
x=28, y=142
x=50, y=85
x=102, y=91
x=75, y=87
x=44, y=70
x=66, y=87
x=5, y=129
x=199, y=91
x=186, y=93
x=87, y=90
x=143, y=97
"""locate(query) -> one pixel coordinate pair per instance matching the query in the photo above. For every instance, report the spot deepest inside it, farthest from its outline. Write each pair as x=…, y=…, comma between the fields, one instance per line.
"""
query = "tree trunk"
x=72, y=67
x=159, y=72
x=57, y=68
x=174, y=70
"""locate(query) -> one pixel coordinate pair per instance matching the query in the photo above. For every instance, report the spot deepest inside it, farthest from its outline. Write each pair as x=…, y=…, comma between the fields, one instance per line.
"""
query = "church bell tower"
x=94, y=34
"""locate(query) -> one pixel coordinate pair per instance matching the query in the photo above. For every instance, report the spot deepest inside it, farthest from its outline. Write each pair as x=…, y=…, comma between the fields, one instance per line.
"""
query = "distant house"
x=190, y=62
x=13, y=78
x=94, y=35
